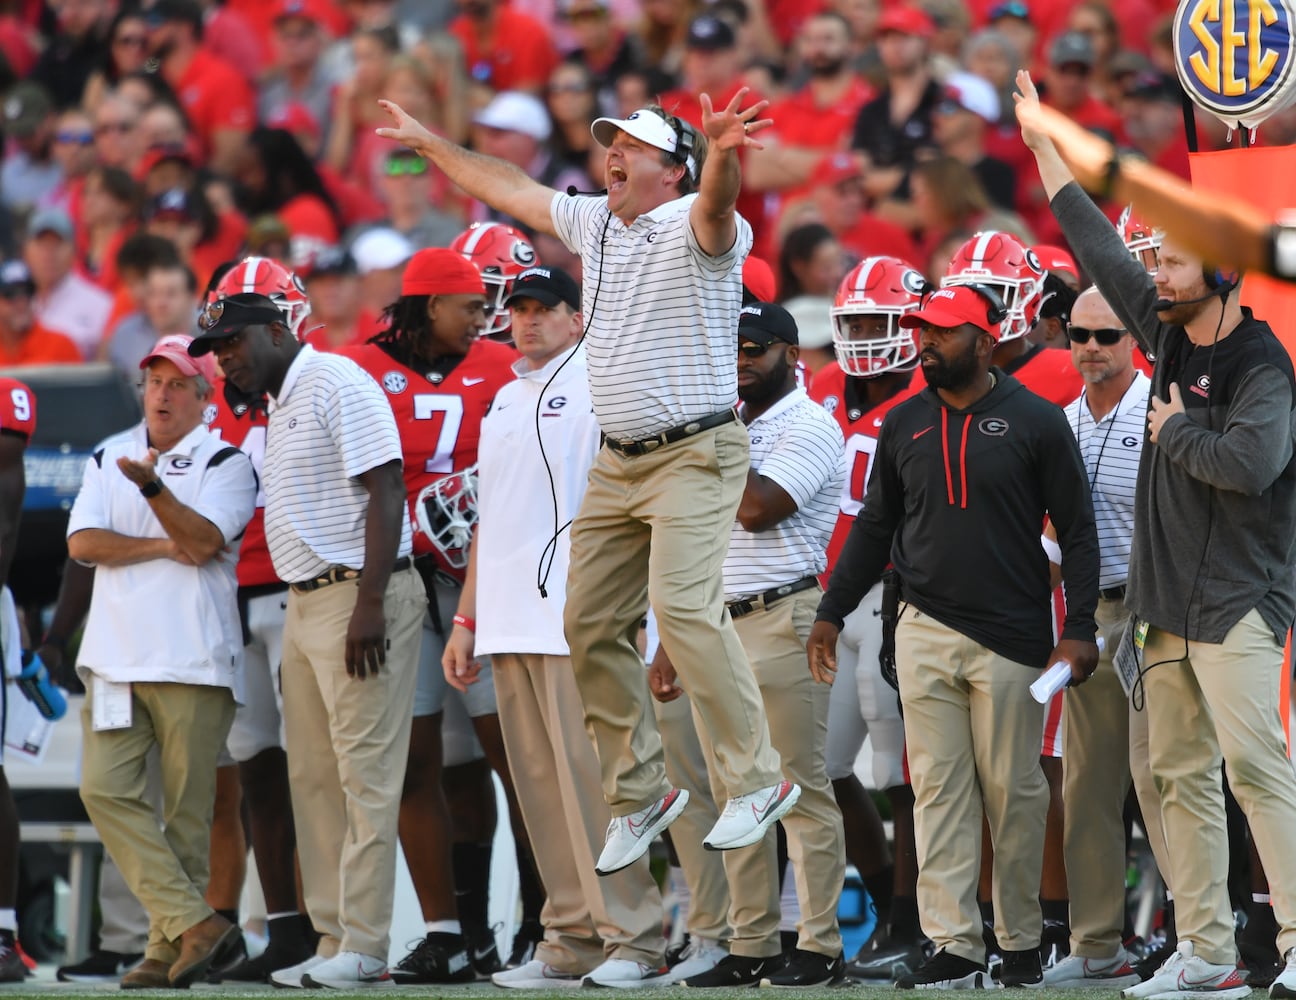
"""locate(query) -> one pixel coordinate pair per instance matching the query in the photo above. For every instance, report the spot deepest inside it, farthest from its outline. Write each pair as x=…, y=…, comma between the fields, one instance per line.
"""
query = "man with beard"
x=776, y=549
x=1210, y=588
x=817, y=119
x=964, y=474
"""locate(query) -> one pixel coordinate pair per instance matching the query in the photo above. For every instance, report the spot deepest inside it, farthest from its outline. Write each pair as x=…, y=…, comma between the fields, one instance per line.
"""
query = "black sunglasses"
x=753, y=350
x=1107, y=337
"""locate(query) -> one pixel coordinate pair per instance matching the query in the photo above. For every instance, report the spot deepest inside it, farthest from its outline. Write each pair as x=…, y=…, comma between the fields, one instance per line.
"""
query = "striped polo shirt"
x=1111, y=449
x=662, y=314
x=329, y=424
x=797, y=445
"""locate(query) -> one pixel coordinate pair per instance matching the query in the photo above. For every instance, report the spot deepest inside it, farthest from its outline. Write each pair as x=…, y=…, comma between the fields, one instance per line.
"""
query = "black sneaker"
x=529, y=934
x=888, y=959
x=277, y=955
x=438, y=958
x=675, y=952
x=484, y=956
x=1154, y=959
x=736, y=970
x=808, y=968
x=944, y=971
x=100, y=967
x=1021, y=968
x=12, y=967
x=1055, y=943
x=234, y=953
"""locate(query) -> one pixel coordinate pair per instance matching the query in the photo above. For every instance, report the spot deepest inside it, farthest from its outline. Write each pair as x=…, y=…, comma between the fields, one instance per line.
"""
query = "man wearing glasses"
x=1103, y=739
x=407, y=192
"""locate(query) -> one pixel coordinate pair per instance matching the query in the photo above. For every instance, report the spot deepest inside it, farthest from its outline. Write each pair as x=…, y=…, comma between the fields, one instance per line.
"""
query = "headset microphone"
x=1161, y=305
x=573, y=191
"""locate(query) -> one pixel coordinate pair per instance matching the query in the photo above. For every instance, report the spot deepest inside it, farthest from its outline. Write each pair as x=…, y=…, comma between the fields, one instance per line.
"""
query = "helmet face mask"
x=500, y=253
x=446, y=514
x=1141, y=240
x=879, y=288
x=1002, y=262
x=268, y=277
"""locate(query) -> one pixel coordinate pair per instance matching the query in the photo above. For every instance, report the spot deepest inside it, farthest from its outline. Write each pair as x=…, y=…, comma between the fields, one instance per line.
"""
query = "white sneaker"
x=1285, y=984
x=1075, y=971
x=629, y=837
x=291, y=977
x=535, y=975
x=348, y=970
x=701, y=955
x=1186, y=975
x=623, y=974
x=746, y=818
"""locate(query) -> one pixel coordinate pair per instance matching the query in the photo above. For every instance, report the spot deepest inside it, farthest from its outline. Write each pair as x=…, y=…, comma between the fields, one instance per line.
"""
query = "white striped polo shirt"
x=662, y=314
x=329, y=424
x=797, y=445
x=1111, y=449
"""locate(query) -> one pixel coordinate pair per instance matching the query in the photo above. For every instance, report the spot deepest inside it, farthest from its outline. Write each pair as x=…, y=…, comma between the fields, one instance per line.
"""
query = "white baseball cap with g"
x=646, y=126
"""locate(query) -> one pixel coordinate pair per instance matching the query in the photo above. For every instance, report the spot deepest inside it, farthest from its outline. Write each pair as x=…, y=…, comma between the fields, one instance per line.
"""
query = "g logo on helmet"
x=522, y=253
x=913, y=282
x=1235, y=57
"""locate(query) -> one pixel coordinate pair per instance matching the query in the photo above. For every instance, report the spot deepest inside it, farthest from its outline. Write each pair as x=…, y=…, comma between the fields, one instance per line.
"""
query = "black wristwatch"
x=149, y=490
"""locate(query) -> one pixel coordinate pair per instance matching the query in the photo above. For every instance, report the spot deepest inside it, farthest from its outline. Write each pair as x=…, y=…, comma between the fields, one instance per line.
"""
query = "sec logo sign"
x=1235, y=58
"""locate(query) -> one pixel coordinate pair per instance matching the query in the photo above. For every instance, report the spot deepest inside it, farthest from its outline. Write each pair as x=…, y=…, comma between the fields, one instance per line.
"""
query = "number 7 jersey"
x=438, y=411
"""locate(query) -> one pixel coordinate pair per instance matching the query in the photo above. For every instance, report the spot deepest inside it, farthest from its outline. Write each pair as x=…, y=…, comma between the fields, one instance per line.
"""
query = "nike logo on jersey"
x=922, y=432
x=473, y=381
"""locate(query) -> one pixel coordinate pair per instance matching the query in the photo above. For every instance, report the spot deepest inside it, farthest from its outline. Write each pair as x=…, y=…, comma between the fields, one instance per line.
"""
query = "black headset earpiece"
x=998, y=311
x=684, y=143
x=1217, y=281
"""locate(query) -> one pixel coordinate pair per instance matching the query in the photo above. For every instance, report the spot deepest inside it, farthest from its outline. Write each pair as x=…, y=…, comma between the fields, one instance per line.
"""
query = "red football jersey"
x=17, y=407
x=438, y=413
x=1048, y=372
x=860, y=426
x=244, y=426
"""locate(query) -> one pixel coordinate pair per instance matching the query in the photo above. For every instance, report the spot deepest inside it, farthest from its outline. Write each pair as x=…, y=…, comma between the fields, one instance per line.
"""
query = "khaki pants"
x=704, y=871
x=556, y=774
x=1096, y=767
x=347, y=742
x=165, y=867
x=973, y=734
x=1221, y=704
x=656, y=527
x=797, y=709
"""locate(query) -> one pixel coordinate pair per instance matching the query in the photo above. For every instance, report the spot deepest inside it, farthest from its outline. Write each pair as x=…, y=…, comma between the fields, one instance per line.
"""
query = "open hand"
x=732, y=128
x=142, y=472
x=1041, y=126
x=408, y=130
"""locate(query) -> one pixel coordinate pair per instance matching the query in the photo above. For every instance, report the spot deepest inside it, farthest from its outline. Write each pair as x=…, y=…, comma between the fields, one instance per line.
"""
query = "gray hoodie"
x=1215, y=504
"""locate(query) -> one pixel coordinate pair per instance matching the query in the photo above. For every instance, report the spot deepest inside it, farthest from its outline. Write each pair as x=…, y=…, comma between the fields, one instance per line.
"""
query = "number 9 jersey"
x=17, y=408
x=439, y=410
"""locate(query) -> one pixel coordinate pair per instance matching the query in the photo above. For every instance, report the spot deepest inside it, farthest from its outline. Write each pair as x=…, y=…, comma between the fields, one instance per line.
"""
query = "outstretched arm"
x=713, y=216
x=1220, y=228
x=495, y=182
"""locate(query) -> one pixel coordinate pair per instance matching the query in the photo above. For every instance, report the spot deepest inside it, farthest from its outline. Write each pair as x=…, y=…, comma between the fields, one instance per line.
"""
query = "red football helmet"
x=446, y=513
x=500, y=253
x=270, y=278
x=1142, y=240
x=883, y=287
x=1011, y=269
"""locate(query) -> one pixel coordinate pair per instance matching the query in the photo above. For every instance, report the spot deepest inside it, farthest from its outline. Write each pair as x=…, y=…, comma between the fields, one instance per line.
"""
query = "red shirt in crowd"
x=215, y=97
x=519, y=56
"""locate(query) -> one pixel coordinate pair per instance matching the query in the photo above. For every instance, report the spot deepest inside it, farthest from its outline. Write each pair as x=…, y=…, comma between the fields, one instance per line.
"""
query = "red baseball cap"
x=440, y=271
x=1056, y=259
x=175, y=348
x=307, y=10
x=835, y=168
x=187, y=153
x=906, y=21
x=758, y=278
x=951, y=307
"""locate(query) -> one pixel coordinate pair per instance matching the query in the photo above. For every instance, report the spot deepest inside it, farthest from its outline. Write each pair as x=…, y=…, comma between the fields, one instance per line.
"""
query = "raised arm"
x=713, y=216
x=498, y=184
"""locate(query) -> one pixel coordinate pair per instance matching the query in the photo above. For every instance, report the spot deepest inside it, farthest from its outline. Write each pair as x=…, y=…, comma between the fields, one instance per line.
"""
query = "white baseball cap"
x=973, y=94
x=380, y=249
x=513, y=111
x=646, y=126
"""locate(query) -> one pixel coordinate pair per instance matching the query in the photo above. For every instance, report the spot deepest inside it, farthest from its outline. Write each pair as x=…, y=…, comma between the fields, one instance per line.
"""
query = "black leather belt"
x=1113, y=593
x=645, y=445
x=762, y=601
x=340, y=574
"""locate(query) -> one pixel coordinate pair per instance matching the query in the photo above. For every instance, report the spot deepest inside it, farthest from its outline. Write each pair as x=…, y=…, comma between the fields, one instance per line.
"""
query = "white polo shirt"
x=797, y=445
x=662, y=314
x=516, y=509
x=77, y=308
x=160, y=620
x=1111, y=449
x=330, y=424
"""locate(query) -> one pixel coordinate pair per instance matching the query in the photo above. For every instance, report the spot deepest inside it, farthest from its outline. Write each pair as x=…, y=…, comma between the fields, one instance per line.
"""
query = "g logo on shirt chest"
x=993, y=426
